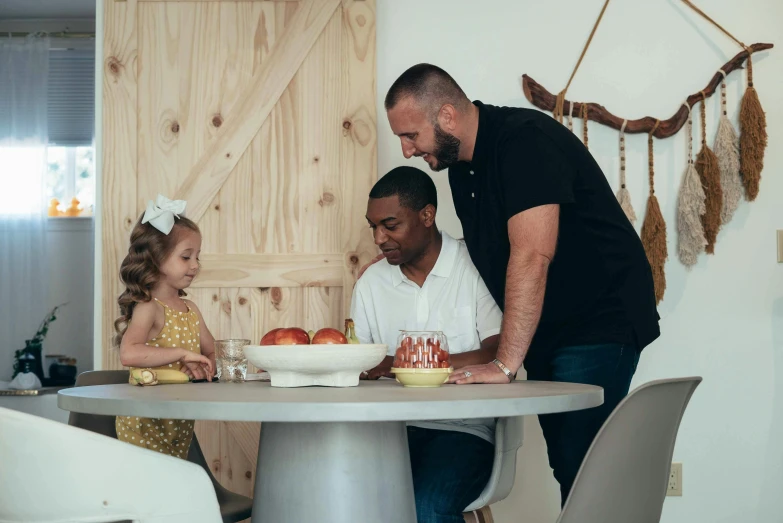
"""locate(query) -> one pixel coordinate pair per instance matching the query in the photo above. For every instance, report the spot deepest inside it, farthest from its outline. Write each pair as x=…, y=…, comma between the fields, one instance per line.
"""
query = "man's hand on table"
x=383, y=370
x=485, y=373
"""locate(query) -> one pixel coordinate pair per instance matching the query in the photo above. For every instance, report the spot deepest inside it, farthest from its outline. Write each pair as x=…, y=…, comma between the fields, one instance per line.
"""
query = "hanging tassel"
x=623, y=196
x=584, y=124
x=753, y=137
x=654, y=230
x=557, y=112
x=570, y=121
x=727, y=151
x=709, y=173
x=690, y=208
x=753, y=130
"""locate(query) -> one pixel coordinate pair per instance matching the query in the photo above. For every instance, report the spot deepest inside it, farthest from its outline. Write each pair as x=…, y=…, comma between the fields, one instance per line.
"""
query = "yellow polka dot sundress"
x=172, y=437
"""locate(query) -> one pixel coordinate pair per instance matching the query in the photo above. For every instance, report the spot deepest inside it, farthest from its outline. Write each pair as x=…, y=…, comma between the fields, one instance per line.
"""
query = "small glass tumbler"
x=230, y=360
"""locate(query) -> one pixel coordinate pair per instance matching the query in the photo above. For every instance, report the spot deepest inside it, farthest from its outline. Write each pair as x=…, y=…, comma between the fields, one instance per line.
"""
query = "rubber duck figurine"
x=74, y=209
x=53, y=210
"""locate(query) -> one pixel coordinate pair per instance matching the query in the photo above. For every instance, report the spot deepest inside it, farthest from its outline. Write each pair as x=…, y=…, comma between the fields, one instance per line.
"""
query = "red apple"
x=292, y=336
x=329, y=336
x=269, y=337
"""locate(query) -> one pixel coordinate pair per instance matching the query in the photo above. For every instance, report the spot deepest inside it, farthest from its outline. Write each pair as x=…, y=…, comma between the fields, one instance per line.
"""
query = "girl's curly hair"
x=140, y=270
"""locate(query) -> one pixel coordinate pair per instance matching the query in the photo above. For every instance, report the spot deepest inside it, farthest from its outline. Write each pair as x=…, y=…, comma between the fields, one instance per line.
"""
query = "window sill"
x=69, y=223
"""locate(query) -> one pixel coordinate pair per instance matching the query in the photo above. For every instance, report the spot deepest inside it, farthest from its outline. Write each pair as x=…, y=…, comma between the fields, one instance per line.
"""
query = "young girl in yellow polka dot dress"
x=158, y=328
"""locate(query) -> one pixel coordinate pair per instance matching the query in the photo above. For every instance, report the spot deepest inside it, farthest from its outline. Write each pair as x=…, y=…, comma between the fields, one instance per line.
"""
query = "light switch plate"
x=780, y=246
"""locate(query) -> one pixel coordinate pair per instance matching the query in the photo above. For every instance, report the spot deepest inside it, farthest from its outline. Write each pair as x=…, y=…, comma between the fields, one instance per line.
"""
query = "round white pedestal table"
x=331, y=454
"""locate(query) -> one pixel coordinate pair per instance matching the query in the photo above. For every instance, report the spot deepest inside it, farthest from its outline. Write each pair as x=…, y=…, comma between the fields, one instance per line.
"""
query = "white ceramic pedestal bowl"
x=320, y=365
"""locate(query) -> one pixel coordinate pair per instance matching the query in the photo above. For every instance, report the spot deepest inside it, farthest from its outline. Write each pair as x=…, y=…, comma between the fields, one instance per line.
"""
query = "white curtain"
x=24, y=72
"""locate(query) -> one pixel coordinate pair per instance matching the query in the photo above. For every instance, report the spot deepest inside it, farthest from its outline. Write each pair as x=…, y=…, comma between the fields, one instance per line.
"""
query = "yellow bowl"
x=422, y=377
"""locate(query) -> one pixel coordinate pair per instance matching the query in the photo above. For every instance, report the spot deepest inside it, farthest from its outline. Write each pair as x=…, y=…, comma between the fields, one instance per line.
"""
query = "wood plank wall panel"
x=284, y=232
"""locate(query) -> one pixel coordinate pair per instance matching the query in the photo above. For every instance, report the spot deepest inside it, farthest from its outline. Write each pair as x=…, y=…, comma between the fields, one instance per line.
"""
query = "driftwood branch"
x=543, y=99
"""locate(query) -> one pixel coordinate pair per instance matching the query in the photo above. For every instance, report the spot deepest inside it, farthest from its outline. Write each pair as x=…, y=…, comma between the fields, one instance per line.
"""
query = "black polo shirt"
x=599, y=286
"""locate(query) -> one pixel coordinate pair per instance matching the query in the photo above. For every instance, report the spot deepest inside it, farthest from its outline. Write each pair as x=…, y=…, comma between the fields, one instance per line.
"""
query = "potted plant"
x=33, y=348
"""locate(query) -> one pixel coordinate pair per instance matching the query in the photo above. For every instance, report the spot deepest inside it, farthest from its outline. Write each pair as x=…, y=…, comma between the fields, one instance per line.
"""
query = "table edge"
x=341, y=412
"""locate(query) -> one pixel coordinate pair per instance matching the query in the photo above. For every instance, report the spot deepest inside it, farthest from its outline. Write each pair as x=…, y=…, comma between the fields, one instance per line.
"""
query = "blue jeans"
x=450, y=470
x=569, y=435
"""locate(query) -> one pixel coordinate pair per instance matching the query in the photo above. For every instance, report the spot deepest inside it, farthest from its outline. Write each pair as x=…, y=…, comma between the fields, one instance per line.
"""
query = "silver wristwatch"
x=511, y=376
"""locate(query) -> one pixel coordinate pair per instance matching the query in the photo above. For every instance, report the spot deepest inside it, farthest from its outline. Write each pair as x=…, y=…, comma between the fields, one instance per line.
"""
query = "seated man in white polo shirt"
x=427, y=282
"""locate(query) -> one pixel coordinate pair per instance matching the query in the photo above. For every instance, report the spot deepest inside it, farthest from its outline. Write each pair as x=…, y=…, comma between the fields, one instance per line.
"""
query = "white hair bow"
x=161, y=213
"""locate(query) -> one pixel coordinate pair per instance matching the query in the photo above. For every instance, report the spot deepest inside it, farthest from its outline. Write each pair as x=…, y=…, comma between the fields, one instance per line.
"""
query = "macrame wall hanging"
x=691, y=206
x=709, y=174
x=623, y=196
x=654, y=228
x=727, y=150
x=713, y=186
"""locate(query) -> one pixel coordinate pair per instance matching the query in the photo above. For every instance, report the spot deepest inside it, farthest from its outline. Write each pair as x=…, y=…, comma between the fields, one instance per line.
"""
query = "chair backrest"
x=105, y=424
x=80, y=476
x=625, y=473
x=94, y=422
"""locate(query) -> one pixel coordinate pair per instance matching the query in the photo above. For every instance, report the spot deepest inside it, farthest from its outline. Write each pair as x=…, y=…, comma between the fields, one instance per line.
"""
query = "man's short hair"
x=429, y=85
x=412, y=186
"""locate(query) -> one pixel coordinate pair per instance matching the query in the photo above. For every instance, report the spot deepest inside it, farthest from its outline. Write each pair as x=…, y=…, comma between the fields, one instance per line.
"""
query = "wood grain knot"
x=215, y=297
x=217, y=120
x=276, y=295
x=248, y=474
x=216, y=466
x=317, y=159
x=347, y=124
x=242, y=301
x=113, y=65
x=128, y=222
x=175, y=127
x=354, y=259
x=363, y=133
x=217, y=206
x=228, y=155
x=361, y=20
x=326, y=199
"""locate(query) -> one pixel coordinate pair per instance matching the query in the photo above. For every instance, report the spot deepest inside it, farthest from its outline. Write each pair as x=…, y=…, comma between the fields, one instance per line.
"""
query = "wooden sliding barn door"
x=261, y=114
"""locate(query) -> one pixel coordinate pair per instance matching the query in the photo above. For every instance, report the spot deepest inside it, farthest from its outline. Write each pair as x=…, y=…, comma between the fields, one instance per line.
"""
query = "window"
x=70, y=95
x=71, y=174
x=70, y=120
x=21, y=180
x=63, y=169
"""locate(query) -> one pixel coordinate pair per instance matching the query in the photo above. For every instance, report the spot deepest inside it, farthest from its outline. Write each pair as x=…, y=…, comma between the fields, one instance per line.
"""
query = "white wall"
x=71, y=280
x=723, y=320
x=70, y=273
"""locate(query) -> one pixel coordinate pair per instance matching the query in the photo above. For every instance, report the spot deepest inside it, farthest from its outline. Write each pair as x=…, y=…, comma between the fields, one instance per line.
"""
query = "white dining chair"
x=52, y=472
x=625, y=474
x=233, y=507
x=509, y=435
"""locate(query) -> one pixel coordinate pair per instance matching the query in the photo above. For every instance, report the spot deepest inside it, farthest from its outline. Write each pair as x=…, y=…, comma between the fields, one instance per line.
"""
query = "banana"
x=350, y=332
x=166, y=376
x=142, y=377
x=148, y=377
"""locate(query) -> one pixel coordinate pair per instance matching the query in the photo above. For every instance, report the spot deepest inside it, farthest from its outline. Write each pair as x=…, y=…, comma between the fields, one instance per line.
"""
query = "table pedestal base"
x=333, y=473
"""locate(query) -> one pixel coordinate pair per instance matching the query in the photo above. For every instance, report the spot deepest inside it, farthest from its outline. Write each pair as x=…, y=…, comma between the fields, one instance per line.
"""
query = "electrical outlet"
x=675, y=480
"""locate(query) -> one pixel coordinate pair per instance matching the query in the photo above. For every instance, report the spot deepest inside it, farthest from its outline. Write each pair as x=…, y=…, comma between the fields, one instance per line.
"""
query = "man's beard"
x=446, y=149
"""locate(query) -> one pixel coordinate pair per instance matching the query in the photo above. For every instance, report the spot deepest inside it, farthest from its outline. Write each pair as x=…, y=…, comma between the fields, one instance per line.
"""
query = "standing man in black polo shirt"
x=549, y=239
